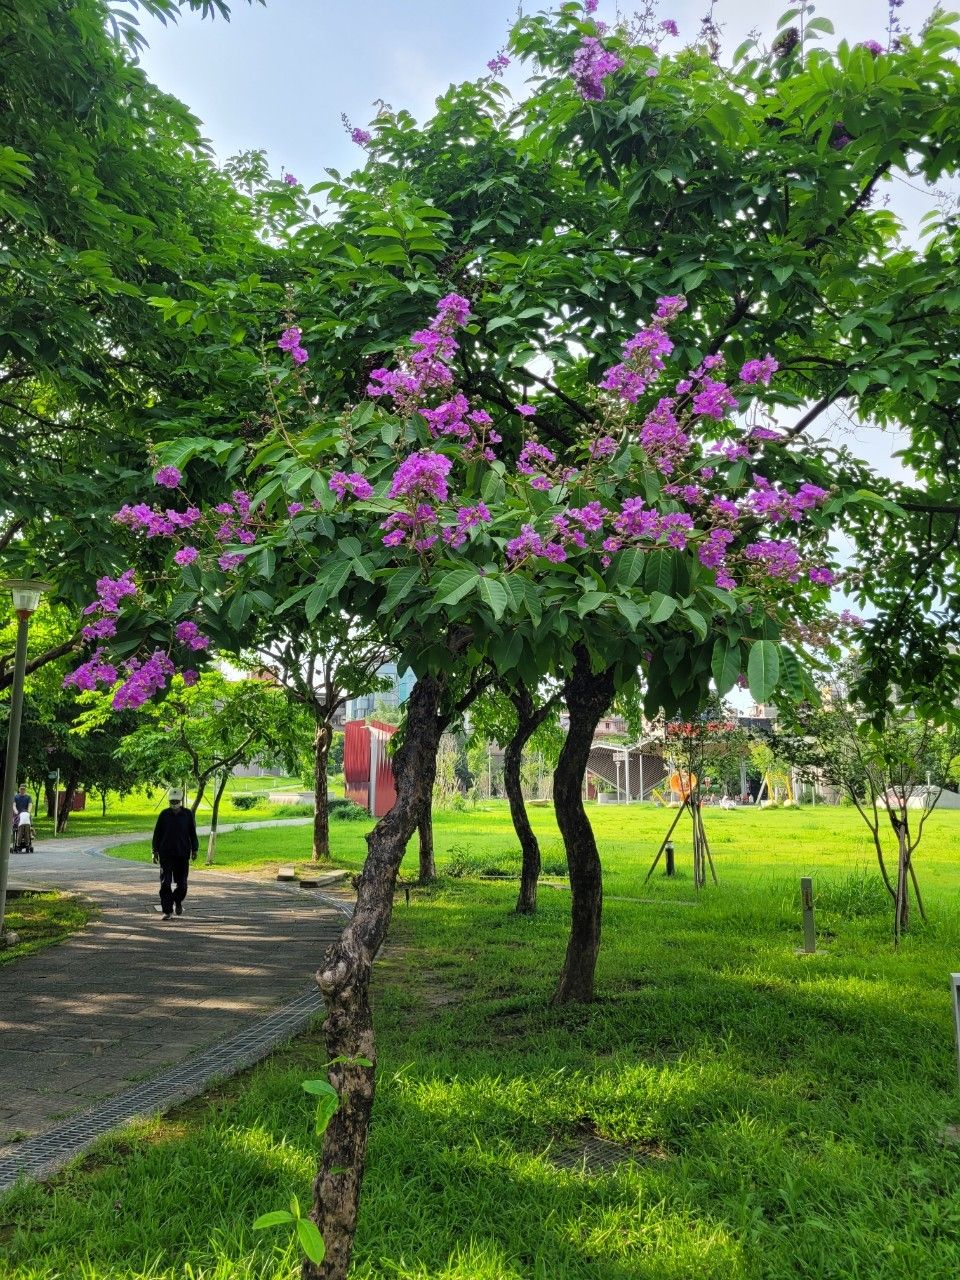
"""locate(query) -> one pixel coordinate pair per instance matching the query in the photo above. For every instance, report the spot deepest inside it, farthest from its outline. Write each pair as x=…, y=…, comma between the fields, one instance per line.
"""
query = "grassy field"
x=42, y=919
x=138, y=811
x=783, y=1113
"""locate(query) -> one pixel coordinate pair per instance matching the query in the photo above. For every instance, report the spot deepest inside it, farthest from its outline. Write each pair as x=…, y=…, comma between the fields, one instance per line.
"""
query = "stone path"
x=131, y=994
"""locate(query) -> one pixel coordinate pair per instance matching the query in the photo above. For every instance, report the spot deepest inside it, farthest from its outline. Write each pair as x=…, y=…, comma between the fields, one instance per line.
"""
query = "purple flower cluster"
x=414, y=526
x=355, y=484
x=185, y=556
x=603, y=448
x=360, y=136
x=872, y=47
x=779, y=559
x=526, y=410
x=189, y=634
x=528, y=543
x=290, y=180
x=496, y=66
x=662, y=438
x=144, y=679
x=91, y=673
x=110, y=593
x=669, y=307
x=467, y=518
x=591, y=6
x=168, y=478
x=157, y=524
x=713, y=400
x=642, y=364
x=713, y=554
x=774, y=503
x=591, y=63
x=290, y=341
x=822, y=576
x=472, y=428
x=759, y=370
x=231, y=560
x=421, y=475
x=670, y=27
x=428, y=364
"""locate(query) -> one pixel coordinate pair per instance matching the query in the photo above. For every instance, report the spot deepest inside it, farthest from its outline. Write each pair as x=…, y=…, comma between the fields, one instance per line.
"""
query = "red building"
x=367, y=768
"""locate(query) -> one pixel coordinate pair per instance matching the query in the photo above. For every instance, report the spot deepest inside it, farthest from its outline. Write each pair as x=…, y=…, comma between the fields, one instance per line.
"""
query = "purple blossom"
x=605, y=447
x=290, y=180
x=759, y=370
x=533, y=457
x=231, y=560
x=780, y=559
x=591, y=63
x=294, y=508
x=636, y=521
x=103, y=629
x=185, y=556
x=822, y=576
x=341, y=484
x=143, y=681
x=91, y=673
x=764, y=433
x=872, y=47
x=670, y=306
x=455, y=308
x=467, y=518
x=360, y=136
x=168, y=477
x=662, y=439
x=651, y=73
x=189, y=677
x=591, y=6
x=289, y=339
x=189, y=634
x=110, y=591
x=422, y=474
x=299, y=355
x=624, y=382
x=670, y=27
x=713, y=400
x=713, y=552
x=676, y=526
x=707, y=472
x=413, y=525
x=526, y=410
x=498, y=64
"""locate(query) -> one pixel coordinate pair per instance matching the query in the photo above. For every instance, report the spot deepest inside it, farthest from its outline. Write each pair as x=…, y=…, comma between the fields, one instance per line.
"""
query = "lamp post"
x=26, y=597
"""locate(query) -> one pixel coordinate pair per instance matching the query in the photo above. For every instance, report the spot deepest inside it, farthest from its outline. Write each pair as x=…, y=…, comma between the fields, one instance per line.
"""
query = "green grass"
x=42, y=919
x=784, y=1111
x=138, y=811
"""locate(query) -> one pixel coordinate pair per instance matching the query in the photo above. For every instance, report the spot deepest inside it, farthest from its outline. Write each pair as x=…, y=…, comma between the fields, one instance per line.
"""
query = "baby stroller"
x=22, y=834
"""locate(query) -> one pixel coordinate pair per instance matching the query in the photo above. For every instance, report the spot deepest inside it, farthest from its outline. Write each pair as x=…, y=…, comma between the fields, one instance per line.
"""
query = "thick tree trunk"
x=344, y=981
x=529, y=719
x=215, y=816
x=69, y=791
x=587, y=695
x=428, y=867
x=50, y=797
x=321, y=814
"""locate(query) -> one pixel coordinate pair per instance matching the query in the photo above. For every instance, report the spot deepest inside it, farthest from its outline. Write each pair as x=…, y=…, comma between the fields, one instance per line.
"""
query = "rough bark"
x=215, y=816
x=69, y=791
x=529, y=719
x=322, y=739
x=587, y=695
x=344, y=982
x=428, y=866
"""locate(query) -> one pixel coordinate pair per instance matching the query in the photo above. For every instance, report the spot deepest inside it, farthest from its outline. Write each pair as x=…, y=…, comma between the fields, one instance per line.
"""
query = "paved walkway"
x=131, y=995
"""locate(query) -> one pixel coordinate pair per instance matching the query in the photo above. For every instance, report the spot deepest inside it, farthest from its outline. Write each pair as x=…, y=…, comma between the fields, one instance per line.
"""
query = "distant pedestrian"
x=21, y=801
x=175, y=843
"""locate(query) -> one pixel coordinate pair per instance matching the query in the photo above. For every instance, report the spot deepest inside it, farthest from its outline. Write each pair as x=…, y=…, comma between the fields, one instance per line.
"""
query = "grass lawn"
x=42, y=919
x=138, y=811
x=784, y=1112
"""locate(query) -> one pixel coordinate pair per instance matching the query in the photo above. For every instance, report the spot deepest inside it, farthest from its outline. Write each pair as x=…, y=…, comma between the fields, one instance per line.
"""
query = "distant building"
x=608, y=726
x=395, y=695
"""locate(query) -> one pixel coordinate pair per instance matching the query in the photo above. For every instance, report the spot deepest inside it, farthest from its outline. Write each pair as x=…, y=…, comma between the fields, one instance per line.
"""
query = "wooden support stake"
x=809, y=934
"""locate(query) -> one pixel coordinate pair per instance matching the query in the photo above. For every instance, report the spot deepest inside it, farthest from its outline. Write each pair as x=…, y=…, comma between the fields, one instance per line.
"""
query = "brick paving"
x=131, y=994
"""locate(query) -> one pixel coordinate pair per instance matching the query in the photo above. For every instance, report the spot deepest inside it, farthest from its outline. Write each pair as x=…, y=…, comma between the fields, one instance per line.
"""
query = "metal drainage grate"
x=599, y=1156
x=41, y=1156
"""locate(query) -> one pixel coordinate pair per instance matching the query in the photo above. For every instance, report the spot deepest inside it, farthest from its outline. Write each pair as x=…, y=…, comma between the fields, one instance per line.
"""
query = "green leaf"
x=658, y=571
x=400, y=585
x=662, y=607
x=627, y=567
x=591, y=600
x=793, y=675
x=763, y=669
x=311, y=1241
x=697, y=621
x=495, y=595
x=455, y=584
x=318, y=1088
x=725, y=665
x=274, y=1219
x=630, y=611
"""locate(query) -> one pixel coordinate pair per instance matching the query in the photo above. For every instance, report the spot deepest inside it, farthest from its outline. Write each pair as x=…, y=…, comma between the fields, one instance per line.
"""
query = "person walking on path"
x=21, y=801
x=175, y=843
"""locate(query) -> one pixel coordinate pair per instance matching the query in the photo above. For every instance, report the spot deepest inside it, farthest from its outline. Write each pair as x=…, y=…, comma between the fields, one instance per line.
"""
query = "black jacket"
x=175, y=835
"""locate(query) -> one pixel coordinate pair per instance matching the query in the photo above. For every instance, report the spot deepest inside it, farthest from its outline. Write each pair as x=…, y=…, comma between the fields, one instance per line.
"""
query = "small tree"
x=892, y=765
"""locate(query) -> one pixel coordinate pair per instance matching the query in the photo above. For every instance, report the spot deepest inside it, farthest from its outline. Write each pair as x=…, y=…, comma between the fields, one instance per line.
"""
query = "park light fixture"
x=26, y=594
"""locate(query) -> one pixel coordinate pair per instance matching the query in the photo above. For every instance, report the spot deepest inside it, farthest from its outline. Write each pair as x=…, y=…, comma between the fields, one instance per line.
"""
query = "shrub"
x=347, y=811
x=248, y=801
x=295, y=810
x=860, y=892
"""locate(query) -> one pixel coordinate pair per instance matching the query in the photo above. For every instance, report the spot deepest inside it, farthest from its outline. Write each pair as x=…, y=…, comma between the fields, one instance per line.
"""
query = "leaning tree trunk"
x=321, y=813
x=215, y=816
x=344, y=981
x=63, y=813
x=528, y=721
x=587, y=695
x=428, y=866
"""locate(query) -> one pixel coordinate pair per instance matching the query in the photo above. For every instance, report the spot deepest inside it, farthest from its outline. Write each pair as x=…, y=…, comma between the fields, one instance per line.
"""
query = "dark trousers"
x=173, y=870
